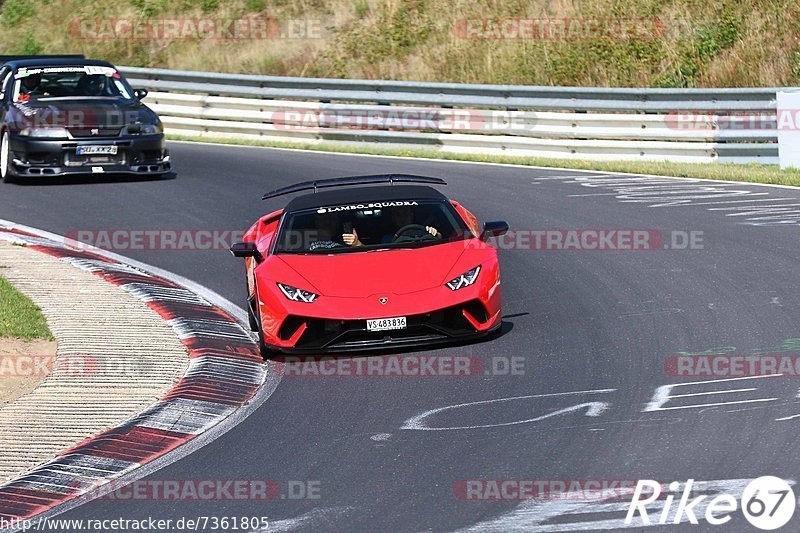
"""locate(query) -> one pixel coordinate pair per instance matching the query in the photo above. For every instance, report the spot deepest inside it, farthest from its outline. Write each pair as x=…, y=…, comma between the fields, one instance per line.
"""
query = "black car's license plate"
x=96, y=149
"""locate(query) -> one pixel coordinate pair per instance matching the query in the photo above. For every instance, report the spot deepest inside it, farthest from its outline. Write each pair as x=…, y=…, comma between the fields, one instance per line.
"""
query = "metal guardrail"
x=685, y=125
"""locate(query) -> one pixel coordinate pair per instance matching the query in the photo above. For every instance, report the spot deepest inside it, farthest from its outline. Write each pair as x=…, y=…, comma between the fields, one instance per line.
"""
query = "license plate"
x=383, y=324
x=97, y=149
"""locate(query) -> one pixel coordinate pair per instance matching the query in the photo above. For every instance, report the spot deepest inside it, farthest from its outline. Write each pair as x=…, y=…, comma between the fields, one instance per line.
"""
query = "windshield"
x=371, y=226
x=69, y=82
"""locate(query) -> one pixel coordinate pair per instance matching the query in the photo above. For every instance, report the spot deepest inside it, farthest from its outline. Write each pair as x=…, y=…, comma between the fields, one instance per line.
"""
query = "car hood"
x=363, y=274
x=82, y=113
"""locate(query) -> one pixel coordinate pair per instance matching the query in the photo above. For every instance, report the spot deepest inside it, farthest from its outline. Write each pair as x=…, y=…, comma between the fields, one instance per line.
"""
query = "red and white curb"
x=224, y=375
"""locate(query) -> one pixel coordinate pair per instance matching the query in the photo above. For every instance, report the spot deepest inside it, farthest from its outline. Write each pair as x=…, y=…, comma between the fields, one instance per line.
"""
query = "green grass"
x=680, y=43
x=19, y=317
x=752, y=173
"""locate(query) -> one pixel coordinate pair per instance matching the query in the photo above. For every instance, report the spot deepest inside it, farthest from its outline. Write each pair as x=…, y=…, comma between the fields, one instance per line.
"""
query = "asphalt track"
x=598, y=321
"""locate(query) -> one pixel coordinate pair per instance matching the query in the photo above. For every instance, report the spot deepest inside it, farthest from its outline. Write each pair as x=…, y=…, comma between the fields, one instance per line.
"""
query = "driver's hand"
x=433, y=231
x=351, y=239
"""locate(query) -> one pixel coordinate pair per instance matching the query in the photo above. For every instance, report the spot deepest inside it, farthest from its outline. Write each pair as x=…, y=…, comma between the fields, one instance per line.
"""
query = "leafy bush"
x=15, y=11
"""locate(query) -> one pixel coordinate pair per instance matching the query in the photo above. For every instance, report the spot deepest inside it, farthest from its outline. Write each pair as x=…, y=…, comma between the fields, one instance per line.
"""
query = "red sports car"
x=360, y=264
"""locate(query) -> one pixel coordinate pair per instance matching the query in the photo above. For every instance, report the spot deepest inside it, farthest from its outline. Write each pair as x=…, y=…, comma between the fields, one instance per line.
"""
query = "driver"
x=328, y=227
x=91, y=85
x=30, y=87
x=403, y=216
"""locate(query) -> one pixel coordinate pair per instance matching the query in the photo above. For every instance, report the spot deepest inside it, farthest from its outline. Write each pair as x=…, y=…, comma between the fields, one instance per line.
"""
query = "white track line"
x=509, y=165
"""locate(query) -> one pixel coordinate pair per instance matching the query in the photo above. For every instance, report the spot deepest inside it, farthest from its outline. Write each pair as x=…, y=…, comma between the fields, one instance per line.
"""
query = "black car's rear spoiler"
x=6, y=59
x=354, y=180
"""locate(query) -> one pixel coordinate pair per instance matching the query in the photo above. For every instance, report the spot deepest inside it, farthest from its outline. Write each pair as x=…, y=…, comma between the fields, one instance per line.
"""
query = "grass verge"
x=631, y=43
x=19, y=317
x=750, y=173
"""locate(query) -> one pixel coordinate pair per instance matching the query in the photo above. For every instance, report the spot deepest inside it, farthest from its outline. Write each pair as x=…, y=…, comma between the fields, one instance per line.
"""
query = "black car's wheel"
x=5, y=158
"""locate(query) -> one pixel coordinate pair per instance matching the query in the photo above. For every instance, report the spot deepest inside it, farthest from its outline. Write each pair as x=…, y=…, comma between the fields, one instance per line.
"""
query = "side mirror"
x=140, y=93
x=494, y=229
x=246, y=249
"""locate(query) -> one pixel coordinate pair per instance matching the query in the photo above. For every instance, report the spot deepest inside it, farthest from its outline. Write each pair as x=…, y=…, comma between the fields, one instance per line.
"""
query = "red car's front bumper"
x=339, y=324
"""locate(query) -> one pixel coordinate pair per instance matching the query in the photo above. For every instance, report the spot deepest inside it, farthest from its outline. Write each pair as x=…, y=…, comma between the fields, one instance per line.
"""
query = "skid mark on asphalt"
x=698, y=397
x=591, y=409
x=672, y=192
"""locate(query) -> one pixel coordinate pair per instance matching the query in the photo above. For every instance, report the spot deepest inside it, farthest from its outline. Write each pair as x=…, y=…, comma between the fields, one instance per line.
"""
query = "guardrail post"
x=788, y=120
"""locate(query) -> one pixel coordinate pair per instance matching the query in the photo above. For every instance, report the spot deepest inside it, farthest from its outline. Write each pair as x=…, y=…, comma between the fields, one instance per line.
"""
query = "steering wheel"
x=413, y=233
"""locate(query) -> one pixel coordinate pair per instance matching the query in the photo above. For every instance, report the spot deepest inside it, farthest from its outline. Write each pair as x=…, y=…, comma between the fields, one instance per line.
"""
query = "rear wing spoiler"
x=353, y=180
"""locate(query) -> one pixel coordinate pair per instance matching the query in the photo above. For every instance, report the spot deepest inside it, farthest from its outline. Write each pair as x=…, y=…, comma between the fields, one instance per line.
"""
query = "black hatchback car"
x=70, y=115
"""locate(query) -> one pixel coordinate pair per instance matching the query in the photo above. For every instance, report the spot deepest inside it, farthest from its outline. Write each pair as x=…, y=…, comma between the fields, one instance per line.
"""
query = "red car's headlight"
x=464, y=280
x=297, y=295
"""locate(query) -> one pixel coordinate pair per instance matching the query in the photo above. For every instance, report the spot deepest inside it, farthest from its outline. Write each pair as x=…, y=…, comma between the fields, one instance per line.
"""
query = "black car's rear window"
x=377, y=225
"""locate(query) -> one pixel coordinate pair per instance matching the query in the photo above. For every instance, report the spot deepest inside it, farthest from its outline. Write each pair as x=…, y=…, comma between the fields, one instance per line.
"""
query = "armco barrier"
x=682, y=125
